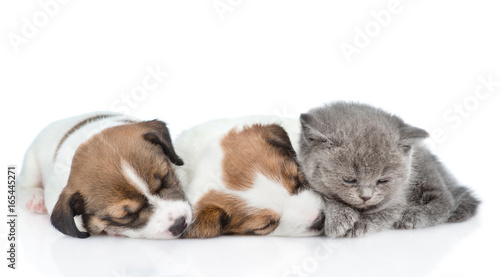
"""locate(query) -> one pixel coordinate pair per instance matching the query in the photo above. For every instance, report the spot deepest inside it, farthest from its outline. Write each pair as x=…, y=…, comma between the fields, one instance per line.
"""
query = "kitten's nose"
x=366, y=198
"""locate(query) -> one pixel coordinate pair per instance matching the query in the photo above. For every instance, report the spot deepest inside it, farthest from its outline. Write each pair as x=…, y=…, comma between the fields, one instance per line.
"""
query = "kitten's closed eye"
x=382, y=181
x=350, y=181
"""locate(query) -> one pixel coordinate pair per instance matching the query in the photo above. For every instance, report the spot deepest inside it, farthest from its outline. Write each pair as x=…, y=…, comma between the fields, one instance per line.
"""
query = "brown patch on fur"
x=110, y=201
x=218, y=213
x=264, y=149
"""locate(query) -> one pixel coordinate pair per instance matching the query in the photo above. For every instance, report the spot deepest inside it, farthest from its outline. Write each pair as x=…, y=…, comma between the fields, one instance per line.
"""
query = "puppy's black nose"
x=319, y=223
x=179, y=226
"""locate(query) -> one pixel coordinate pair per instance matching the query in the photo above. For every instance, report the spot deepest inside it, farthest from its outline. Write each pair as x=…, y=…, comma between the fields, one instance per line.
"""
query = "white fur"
x=201, y=151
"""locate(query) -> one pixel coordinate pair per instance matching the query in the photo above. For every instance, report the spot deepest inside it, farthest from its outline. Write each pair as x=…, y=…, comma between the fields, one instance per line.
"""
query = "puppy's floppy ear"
x=67, y=207
x=160, y=135
x=279, y=139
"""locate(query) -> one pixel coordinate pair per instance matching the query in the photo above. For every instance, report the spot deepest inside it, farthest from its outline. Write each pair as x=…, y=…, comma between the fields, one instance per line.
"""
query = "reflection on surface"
x=389, y=253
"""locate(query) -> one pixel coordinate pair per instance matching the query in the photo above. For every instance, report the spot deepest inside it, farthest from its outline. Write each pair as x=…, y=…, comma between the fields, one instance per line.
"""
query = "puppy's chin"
x=159, y=236
x=111, y=233
x=131, y=234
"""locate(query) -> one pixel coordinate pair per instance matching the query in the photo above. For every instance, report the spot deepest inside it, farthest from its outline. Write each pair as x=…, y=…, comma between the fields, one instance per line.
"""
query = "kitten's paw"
x=339, y=221
x=36, y=204
x=411, y=219
x=359, y=229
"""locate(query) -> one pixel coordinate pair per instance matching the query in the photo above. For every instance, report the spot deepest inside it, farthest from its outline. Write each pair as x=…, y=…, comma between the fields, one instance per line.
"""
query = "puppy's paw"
x=197, y=231
x=36, y=202
x=339, y=221
x=411, y=218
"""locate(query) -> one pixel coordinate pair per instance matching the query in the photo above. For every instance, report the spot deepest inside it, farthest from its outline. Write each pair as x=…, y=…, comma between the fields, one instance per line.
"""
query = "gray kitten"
x=374, y=174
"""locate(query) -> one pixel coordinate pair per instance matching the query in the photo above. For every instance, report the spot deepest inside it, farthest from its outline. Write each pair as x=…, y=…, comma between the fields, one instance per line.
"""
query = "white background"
x=423, y=60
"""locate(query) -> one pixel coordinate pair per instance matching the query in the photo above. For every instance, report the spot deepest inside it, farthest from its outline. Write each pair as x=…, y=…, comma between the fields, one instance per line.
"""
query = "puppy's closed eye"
x=161, y=182
x=123, y=208
x=127, y=216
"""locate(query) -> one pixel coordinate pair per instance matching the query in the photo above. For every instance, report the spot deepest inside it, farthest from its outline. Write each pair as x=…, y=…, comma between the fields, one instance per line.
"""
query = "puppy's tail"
x=467, y=205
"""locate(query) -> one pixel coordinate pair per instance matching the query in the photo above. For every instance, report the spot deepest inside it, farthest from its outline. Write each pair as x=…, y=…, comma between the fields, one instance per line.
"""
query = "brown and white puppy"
x=242, y=177
x=106, y=173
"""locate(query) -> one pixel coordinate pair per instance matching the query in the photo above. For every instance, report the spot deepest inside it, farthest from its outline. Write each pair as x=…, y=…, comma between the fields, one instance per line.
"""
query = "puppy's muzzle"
x=179, y=226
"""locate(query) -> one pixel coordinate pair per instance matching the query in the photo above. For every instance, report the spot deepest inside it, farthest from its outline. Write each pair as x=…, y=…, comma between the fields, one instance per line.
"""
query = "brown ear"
x=208, y=223
x=67, y=207
x=278, y=138
x=161, y=136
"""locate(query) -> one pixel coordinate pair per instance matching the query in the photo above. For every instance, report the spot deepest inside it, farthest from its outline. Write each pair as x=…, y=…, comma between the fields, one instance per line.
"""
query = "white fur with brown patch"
x=202, y=173
x=48, y=164
x=298, y=211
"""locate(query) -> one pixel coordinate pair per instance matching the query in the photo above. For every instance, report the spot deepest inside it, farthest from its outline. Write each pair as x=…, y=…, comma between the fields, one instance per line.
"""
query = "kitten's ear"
x=310, y=135
x=409, y=136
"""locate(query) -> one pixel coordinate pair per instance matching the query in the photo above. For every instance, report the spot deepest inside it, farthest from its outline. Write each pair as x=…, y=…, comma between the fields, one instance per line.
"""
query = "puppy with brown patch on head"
x=106, y=173
x=242, y=177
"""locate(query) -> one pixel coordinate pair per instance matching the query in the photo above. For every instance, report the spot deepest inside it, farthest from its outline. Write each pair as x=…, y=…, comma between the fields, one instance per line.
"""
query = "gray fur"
x=349, y=151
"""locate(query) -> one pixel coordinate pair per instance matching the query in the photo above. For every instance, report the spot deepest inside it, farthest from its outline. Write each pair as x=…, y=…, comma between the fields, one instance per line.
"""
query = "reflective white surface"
x=444, y=250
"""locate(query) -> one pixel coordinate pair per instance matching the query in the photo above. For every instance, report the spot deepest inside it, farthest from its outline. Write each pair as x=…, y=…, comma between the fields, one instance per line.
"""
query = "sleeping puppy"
x=242, y=177
x=106, y=173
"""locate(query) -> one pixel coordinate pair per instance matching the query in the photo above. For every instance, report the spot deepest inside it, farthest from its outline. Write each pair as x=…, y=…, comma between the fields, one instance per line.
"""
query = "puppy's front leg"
x=207, y=223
